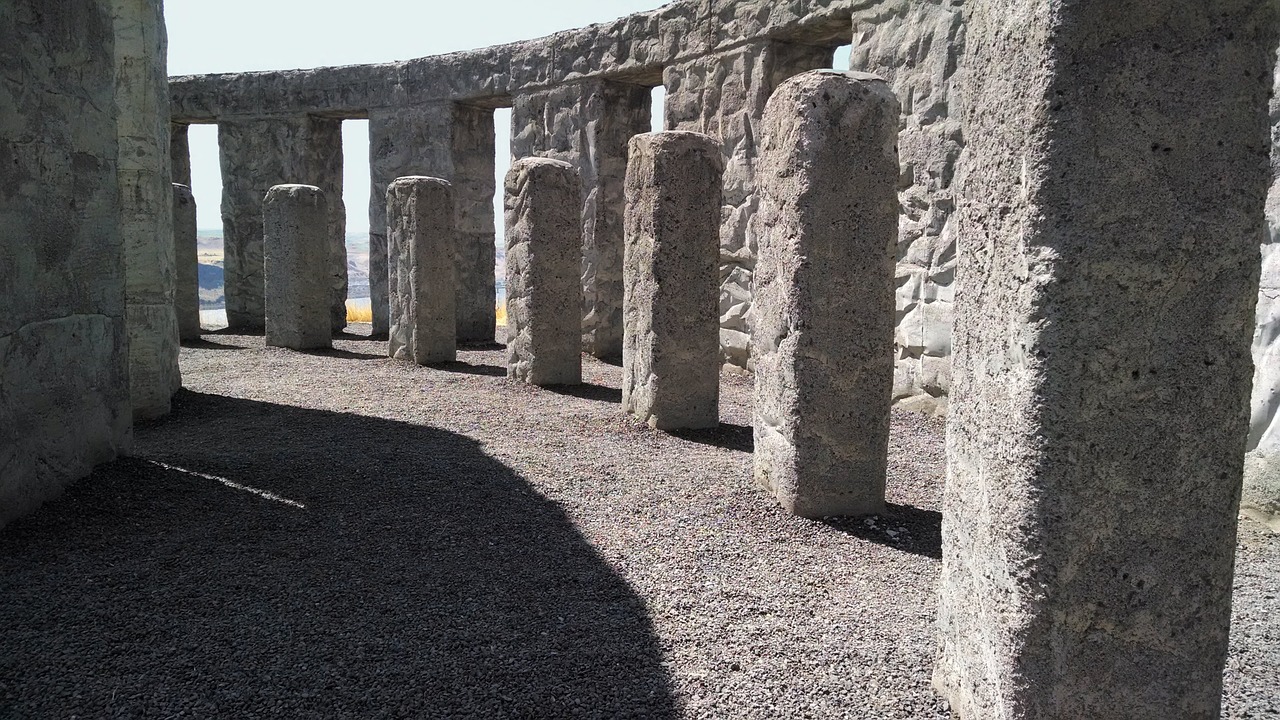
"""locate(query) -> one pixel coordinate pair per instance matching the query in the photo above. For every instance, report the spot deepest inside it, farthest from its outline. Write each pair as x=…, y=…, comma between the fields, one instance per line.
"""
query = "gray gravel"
x=341, y=535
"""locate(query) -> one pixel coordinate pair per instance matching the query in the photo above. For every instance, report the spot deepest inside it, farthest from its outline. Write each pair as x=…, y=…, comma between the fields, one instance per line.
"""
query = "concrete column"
x=423, y=274
x=180, y=153
x=1111, y=212
x=587, y=125
x=146, y=203
x=64, y=389
x=544, y=247
x=453, y=142
x=295, y=223
x=255, y=156
x=186, y=300
x=670, y=352
x=723, y=96
x=824, y=311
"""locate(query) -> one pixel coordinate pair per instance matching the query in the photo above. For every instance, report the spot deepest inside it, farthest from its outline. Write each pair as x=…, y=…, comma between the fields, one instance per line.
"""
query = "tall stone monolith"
x=824, y=308
x=671, y=279
x=544, y=257
x=1111, y=212
x=186, y=298
x=422, y=243
x=296, y=255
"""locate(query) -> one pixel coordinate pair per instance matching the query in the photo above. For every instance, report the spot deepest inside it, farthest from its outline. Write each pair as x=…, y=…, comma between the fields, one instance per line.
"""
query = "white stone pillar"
x=295, y=223
x=186, y=299
x=422, y=241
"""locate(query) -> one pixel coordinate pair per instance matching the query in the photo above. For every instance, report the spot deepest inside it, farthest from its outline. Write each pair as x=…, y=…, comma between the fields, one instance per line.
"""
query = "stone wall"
x=64, y=384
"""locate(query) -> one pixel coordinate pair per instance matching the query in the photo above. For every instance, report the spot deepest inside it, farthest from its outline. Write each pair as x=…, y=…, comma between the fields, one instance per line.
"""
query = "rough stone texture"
x=588, y=125
x=724, y=96
x=670, y=353
x=544, y=246
x=64, y=383
x=186, y=298
x=146, y=203
x=823, y=314
x=422, y=245
x=296, y=253
x=255, y=156
x=180, y=153
x=456, y=143
x=916, y=46
x=1113, y=191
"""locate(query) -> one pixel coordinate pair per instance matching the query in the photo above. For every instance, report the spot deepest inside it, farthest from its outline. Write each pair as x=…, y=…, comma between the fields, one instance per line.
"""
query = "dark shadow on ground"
x=726, y=435
x=345, y=354
x=470, y=369
x=260, y=332
x=922, y=536
x=419, y=578
x=588, y=391
x=481, y=346
x=203, y=344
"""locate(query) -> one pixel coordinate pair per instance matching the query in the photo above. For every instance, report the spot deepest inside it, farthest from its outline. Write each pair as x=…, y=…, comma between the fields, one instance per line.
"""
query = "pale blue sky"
x=209, y=36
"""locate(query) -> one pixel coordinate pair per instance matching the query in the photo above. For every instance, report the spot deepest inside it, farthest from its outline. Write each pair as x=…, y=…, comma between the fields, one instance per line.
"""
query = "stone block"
x=422, y=243
x=671, y=347
x=296, y=253
x=186, y=299
x=544, y=251
x=823, y=322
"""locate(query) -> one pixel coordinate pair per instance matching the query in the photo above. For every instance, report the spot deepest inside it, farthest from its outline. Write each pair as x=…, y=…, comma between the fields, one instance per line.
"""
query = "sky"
x=239, y=35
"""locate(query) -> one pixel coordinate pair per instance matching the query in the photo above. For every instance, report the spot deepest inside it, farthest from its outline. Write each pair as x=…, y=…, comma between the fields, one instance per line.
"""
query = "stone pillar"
x=588, y=125
x=1112, y=208
x=670, y=352
x=456, y=143
x=823, y=314
x=422, y=277
x=255, y=156
x=146, y=203
x=186, y=299
x=724, y=96
x=180, y=153
x=295, y=224
x=64, y=389
x=544, y=246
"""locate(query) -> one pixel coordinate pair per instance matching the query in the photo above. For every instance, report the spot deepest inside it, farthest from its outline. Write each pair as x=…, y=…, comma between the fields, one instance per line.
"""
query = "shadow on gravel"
x=209, y=345
x=923, y=535
x=470, y=369
x=289, y=562
x=740, y=438
x=345, y=354
x=588, y=391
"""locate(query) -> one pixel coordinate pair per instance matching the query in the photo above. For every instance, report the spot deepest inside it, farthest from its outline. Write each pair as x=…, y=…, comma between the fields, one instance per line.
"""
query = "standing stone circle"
x=824, y=310
x=421, y=243
x=671, y=277
x=544, y=257
x=296, y=254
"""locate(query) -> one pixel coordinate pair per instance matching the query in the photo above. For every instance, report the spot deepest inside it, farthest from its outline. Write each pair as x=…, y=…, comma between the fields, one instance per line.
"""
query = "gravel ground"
x=340, y=535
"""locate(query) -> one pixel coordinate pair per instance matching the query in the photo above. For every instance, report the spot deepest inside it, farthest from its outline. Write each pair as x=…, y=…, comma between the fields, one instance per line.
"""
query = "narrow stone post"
x=296, y=254
x=422, y=242
x=1110, y=218
x=671, y=346
x=544, y=251
x=186, y=300
x=824, y=306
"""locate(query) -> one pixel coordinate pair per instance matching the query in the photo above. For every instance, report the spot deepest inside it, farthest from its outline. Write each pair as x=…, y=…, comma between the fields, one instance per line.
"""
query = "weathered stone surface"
x=186, y=299
x=180, y=153
x=455, y=143
x=588, y=125
x=724, y=96
x=255, y=156
x=296, y=254
x=544, y=249
x=423, y=274
x=1113, y=190
x=670, y=352
x=146, y=203
x=823, y=314
x=916, y=47
x=64, y=382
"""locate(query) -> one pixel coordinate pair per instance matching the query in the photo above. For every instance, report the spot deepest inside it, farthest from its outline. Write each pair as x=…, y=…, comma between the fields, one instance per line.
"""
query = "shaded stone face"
x=64, y=376
x=423, y=274
x=823, y=313
x=544, y=247
x=186, y=254
x=295, y=223
x=1112, y=204
x=671, y=353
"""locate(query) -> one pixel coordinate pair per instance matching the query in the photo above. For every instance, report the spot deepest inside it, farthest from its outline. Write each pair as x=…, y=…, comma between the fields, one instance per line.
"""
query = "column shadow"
x=258, y=558
x=739, y=438
x=915, y=530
